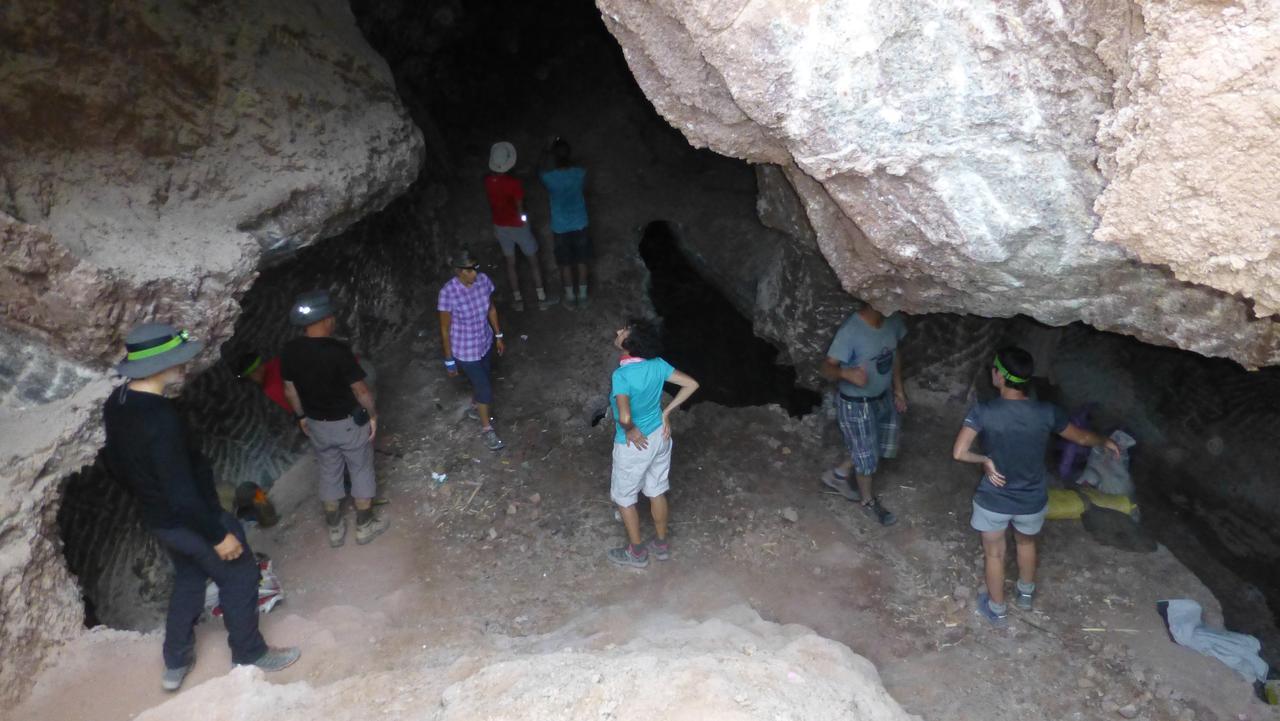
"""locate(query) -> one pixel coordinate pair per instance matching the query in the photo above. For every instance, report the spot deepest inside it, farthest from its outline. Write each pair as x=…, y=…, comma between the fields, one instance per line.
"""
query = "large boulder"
x=155, y=155
x=947, y=158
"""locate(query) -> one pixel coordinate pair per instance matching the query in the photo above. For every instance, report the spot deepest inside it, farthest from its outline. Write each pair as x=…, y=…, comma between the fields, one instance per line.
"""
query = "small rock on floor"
x=789, y=514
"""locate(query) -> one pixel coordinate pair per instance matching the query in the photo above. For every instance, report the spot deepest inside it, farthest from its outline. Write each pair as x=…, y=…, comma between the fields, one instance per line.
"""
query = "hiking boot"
x=983, y=607
x=277, y=659
x=879, y=512
x=660, y=549
x=544, y=303
x=371, y=529
x=517, y=306
x=1023, y=599
x=338, y=534
x=492, y=440
x=625, y=556
x=173, y=677
x=843, y=486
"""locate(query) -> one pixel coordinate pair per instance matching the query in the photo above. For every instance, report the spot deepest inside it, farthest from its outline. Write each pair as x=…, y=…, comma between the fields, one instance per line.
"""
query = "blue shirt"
x=1015, y=436
x=873, y=349
x=641, y=382
x=568, y=206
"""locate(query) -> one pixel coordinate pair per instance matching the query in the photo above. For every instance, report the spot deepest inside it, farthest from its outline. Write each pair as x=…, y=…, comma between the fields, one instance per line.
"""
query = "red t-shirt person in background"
x=267, y=375
x=511, y=223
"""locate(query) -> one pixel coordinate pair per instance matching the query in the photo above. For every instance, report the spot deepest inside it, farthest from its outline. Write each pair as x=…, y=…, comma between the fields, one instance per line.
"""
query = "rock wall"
x=155, y=155
x=947, y=159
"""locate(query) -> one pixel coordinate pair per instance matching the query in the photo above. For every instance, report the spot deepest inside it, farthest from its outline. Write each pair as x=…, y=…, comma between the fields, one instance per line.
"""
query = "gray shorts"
x=340, y=444
x=509, y=237
x=1028, y=524
x=636, y=471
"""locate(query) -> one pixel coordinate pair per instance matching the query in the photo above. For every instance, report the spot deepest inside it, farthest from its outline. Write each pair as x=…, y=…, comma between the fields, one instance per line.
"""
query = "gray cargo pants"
x=339, y=443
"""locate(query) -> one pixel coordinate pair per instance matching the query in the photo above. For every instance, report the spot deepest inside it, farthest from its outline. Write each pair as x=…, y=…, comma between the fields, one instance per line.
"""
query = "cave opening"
x=706, y=336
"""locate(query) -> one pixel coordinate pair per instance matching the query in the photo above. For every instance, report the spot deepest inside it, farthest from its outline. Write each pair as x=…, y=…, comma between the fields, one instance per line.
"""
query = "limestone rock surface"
x=947, y=157
x=154, y=157
x=1191, y=143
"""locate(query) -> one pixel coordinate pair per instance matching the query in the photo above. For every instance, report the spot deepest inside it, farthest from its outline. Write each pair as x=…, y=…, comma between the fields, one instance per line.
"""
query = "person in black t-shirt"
x=147, y=450
x=326, y=387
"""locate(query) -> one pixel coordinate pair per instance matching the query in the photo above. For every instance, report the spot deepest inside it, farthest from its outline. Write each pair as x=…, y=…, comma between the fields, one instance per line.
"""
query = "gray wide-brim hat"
x=154, y=347
x=502, y=157
x=311, y=307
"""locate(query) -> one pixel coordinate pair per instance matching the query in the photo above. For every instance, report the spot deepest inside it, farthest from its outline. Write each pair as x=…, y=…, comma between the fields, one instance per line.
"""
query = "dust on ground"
x=508, y=552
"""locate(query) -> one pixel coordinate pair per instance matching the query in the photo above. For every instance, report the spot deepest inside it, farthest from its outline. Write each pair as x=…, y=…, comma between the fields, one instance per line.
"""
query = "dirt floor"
x=508, y=552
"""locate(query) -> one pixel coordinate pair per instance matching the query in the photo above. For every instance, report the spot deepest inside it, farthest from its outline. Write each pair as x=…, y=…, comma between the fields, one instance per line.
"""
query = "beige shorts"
x=636, y=471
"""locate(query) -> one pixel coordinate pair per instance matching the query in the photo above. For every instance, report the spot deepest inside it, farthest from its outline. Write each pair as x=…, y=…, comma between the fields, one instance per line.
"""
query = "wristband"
x=497, y=335
x=449, y=362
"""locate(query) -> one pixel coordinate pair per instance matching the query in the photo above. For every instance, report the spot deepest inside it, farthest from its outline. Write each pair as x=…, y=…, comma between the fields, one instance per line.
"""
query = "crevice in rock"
x=707, y=337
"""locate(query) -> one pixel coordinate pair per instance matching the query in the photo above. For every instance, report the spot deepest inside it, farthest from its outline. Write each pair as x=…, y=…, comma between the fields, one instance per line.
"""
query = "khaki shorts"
x=636, y=471
x=1028, y=524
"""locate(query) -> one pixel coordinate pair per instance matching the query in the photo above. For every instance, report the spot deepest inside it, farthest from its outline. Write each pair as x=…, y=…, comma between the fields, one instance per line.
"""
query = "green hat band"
x=154, y=351
x=1007, y=375
x=252, y=367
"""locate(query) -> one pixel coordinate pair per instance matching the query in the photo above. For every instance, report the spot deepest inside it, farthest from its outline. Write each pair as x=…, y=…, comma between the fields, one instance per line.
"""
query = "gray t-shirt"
x=1015, y=436
x=858, y=344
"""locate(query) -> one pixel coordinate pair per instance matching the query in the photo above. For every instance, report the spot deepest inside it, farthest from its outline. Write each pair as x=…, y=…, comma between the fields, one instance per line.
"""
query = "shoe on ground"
x=474, y=415
x=278, y=659
x=173, y=677
x=659, y=549
x=1023, y=600
x=517, y=306
x=547, y=303
x=624, y=557
x=843, y=486
x=583, y=303
x=380, y=500
x=371, y=529
x=338, y=534
x=983, y=607
x=492, y=440
x=879, y=512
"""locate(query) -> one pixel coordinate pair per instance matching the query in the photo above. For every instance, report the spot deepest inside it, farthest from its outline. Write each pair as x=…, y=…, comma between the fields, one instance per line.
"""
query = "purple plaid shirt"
x=469, y=330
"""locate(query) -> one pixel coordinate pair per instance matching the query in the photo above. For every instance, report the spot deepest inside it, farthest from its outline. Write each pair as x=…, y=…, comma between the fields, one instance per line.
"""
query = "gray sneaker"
x=879, y=512
x=173, y=677
x=492, y=440
x=843, y=486
x=371, y=529
x=278, y=659
x=1022, y=599
x=547, y=303
x=624, y=557
x=659, y=549
x=338, y=534
x=517, y=306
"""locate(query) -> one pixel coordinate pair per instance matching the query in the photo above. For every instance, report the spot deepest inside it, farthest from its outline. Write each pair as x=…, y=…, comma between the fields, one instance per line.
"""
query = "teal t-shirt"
x=642, y=383
x=858, y=344
x=568, y=206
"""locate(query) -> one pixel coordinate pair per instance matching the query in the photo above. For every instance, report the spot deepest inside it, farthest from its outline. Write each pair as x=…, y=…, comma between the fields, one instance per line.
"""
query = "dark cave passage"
x=707, y=337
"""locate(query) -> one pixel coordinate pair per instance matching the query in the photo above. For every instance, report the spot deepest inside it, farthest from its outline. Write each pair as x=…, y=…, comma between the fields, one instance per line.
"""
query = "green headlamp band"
x=172, y=343
x=252, y=367
x=1007, y=375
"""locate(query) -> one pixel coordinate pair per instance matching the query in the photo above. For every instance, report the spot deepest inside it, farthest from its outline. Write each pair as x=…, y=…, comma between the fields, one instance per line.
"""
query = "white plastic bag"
x=1108, y=473
x=269, y=591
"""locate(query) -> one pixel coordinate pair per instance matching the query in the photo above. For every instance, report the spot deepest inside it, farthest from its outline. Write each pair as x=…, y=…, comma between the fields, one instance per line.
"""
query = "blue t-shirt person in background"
x=565, y=182
x=860, y=345
x=1014, y=431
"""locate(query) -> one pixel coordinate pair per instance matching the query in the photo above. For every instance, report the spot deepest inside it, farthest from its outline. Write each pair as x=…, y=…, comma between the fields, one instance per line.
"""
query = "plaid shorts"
x=870, y=430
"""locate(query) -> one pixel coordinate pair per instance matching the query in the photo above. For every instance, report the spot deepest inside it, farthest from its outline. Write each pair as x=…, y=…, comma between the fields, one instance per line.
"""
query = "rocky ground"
x=505, y=558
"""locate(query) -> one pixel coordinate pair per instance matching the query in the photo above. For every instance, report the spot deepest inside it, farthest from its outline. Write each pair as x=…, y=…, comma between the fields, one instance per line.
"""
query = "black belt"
x=330, y=420
x=862, y=399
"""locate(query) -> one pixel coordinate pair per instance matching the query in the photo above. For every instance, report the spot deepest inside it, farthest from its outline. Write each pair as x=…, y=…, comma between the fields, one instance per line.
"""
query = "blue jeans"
x=194, y=562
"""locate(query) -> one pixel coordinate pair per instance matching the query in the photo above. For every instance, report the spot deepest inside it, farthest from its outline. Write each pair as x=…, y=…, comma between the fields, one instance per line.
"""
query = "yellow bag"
x=1067, y=504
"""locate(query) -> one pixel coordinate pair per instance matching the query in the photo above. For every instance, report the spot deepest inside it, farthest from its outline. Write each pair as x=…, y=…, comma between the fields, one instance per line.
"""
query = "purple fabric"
x=469, y=331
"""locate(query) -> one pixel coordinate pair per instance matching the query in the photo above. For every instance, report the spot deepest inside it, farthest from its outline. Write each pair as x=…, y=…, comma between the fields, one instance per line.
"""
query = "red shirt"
x=505, y=194
x=273, y=384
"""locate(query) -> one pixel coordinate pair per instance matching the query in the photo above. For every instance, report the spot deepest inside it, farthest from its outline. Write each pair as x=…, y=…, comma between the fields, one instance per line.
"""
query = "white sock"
x=568, y=292
x=541, y=294
x=517, y=297
x=582, y=292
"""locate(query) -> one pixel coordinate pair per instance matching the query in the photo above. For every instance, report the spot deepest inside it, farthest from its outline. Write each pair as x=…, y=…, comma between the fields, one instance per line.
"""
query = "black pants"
x=194, y=561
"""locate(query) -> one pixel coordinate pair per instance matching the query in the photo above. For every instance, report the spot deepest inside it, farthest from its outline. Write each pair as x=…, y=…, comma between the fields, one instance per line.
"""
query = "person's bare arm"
x=1075, y=434
x=634, y=436
x=497, y=330
x=364, y=397
x=832, y=371
x=687, y=386
x=291, y=394
x=446, y=320
x=962, y=450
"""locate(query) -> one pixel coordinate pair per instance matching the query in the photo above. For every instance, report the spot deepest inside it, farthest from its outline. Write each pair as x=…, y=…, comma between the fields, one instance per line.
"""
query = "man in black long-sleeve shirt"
x=147, y=449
